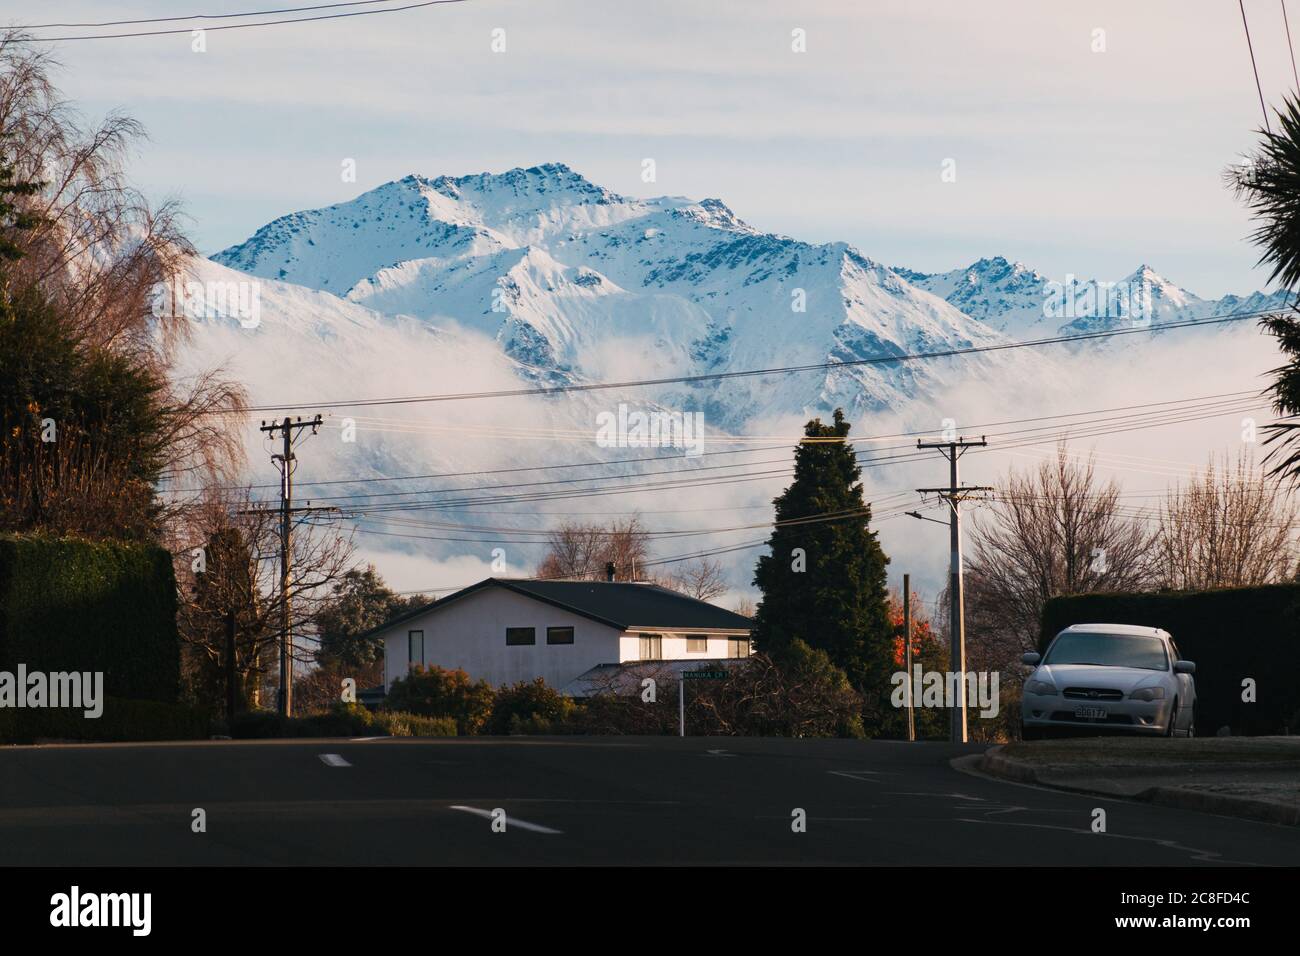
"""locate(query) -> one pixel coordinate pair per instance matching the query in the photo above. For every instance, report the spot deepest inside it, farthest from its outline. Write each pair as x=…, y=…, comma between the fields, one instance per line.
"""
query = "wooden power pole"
x=907, y=654
x=288, y=430
x=954, y=494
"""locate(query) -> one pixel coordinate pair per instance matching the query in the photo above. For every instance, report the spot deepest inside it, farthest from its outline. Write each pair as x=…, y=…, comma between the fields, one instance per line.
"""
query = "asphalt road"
x=576, y=801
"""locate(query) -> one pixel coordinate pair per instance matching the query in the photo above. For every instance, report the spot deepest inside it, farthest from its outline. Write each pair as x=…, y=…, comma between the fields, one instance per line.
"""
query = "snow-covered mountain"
x=1023, y=303
x=571, y=279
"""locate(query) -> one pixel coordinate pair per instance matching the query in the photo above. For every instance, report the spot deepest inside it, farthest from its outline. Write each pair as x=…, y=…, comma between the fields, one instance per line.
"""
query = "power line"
x=1209, y=407
x=874, y=509
x=1290, y=46
x=655, y=562
x=880, y=514
x=365, y=480
x=246, y=26
x=201, y=16
x=366, y=511
x=1090, y=428
x=1250, y=46
x=877, y=500
x=823, y=519
x=741, y=478
x=782, y=370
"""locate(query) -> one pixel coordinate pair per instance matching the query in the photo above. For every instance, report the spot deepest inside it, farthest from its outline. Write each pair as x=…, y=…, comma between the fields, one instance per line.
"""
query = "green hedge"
x=72, y=605
x=1230, y=634
x=121, y=720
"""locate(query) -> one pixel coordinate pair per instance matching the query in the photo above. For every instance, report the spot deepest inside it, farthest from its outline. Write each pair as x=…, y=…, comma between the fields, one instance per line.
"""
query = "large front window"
x=652, y=647
x=1109, y=650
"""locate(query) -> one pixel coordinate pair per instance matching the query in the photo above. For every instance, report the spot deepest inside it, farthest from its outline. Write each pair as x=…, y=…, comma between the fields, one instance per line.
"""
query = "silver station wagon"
x=1109, y=678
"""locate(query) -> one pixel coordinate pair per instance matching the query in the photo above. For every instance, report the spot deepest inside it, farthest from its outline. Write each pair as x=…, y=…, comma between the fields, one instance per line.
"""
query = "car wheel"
x=1191, y=722
x=1173, y=720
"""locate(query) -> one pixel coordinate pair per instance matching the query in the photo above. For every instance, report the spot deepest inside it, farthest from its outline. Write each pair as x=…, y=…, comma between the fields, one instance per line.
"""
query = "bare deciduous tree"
x=1057, y=529
x=580, y=552
x=1230, y=526
x=227, y=564
x=703, y=579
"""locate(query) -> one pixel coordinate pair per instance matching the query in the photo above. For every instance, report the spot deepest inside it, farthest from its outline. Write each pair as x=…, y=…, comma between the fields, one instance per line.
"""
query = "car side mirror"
x=1184, y=667
x=1031, y=658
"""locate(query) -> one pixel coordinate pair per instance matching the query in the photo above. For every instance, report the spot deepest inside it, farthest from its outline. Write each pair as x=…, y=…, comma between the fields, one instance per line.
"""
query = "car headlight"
x=1148, y=693
x=1041, y=687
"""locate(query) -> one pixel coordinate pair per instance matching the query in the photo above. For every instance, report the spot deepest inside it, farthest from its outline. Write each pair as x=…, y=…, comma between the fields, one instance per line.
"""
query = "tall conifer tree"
x=824, y=580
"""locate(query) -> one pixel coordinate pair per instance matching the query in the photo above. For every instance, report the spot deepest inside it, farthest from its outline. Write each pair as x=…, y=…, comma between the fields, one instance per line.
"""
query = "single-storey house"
x=504, y=630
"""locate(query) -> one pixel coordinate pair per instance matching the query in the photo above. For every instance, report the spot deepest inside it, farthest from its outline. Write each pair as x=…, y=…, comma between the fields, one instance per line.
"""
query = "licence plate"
x=1090, y=713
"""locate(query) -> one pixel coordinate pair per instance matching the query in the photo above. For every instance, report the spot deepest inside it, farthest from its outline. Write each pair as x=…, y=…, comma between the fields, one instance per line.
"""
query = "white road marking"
x=717, y=753
x=931, y=793
x=334, y=760
x=858, y=775
x=362, y=740
x=510, y=821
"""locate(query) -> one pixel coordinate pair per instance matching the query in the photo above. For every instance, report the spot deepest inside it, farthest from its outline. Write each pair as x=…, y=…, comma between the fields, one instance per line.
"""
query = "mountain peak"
x=546, y=179
x=715, y=213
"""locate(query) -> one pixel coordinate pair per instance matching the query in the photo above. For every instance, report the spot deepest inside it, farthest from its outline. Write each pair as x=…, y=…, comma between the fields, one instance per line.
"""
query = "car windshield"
x=1109, y=650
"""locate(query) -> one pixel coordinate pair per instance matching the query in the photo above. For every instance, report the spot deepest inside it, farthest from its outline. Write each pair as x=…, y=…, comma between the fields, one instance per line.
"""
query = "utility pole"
x=289, y=430
x=232, y=689
x=954, y=494
x=907, y=654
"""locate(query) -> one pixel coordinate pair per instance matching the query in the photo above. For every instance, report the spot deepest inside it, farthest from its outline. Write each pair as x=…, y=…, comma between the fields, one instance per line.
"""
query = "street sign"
x=704, y=675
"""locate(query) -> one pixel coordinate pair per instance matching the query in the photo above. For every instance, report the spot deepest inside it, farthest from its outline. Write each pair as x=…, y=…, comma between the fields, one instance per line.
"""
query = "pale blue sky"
x=1072, y=161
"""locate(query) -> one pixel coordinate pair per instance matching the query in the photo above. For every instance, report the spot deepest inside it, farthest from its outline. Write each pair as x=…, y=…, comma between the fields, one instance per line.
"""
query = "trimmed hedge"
x=1230, y=634
x=130, y=720
x=73, y=605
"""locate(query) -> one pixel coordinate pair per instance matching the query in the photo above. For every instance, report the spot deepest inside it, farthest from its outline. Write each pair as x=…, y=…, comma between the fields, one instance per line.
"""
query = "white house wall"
x=470, y=633
x=674, y=646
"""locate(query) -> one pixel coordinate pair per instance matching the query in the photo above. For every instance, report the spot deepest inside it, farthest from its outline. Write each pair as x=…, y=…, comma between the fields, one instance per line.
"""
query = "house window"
x=737, y=647
x=559, y=635
x=697, y=644
x=521, y=635
x=652, y=647
x=415, y=648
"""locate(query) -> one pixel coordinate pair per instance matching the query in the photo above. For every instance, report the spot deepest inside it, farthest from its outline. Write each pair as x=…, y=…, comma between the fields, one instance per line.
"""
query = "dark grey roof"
x=619, y=604
x=625, y=605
